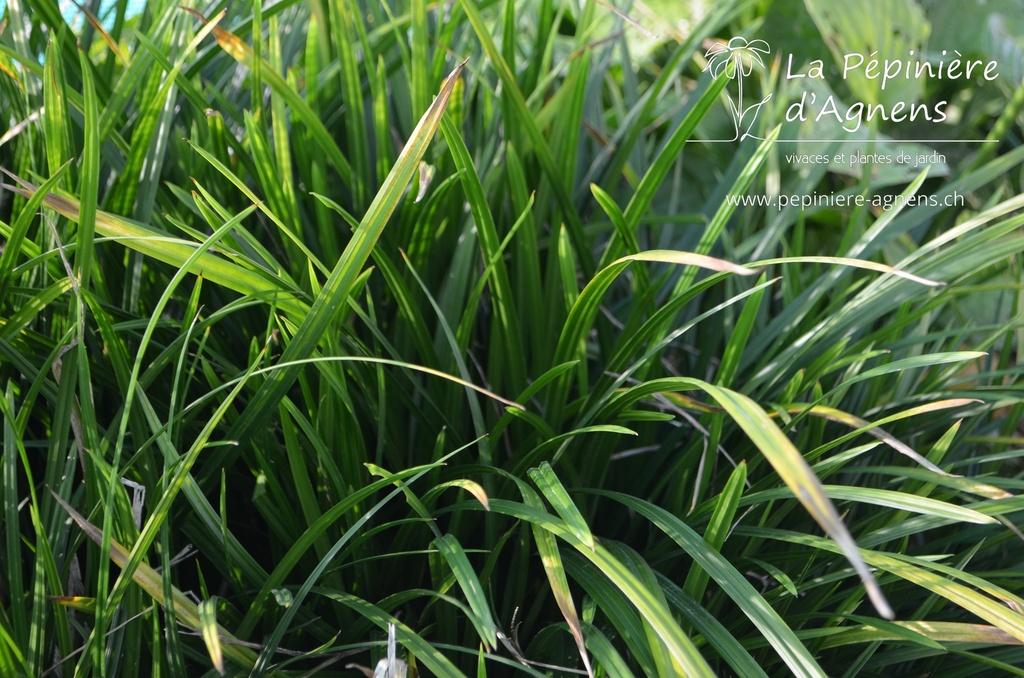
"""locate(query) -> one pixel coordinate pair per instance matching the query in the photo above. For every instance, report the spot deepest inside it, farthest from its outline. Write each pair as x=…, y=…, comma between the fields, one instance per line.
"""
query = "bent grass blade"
x=339, y=285
x=151, y=582
x=174, y=251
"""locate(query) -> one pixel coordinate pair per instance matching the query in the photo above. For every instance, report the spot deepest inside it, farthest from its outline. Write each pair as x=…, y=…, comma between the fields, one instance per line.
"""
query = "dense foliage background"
x=322, y=317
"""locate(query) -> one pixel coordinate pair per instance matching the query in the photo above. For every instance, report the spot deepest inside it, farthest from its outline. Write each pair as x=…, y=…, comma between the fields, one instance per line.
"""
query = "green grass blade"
x=211, y=637
x=659, y=169
x=727, y=208
x=242, y=53
x=854, y=263
x=733, y=583
x=524, y=119
x=711, y=628
x=176, y=252
x=554, y=568
x=571, y=341
x=88, y=178
x=921, y=572
x=553, y=490
x=19, y=228
x=680, y=647
x=490, y=245
x=901, y=501
x=338, y=286
x=150, y=580
x=453, y=554
x=423, y=650
x=795, y=472
x=718, y=528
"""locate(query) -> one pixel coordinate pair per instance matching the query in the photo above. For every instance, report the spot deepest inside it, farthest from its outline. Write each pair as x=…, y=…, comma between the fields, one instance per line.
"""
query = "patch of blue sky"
x=73, y=15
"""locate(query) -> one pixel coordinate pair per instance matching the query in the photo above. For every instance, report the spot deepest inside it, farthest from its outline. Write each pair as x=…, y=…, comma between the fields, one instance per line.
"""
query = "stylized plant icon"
x=736, y=60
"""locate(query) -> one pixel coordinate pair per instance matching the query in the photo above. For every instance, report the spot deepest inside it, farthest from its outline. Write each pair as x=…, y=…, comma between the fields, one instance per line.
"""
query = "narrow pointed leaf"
x=150, y=580
x=456, y=558
x=330, y=302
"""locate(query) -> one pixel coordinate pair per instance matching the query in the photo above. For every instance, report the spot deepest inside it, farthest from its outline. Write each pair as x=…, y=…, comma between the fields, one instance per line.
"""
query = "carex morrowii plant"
x=329, y=323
